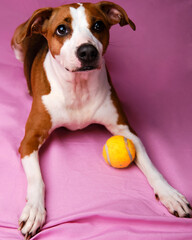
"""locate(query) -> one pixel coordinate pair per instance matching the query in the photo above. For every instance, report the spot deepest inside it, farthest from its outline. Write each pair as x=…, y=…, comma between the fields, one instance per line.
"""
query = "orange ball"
x=119, y=152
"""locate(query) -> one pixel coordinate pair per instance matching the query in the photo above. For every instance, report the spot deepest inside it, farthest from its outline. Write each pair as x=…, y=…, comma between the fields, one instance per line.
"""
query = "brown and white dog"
x=62, y=50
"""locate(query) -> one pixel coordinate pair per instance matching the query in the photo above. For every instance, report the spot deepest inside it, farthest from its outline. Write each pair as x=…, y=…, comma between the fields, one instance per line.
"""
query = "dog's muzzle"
x=88, y=55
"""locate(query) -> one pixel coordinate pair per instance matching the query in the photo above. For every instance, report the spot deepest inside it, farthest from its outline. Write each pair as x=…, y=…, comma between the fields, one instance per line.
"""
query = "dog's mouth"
x=84, y=69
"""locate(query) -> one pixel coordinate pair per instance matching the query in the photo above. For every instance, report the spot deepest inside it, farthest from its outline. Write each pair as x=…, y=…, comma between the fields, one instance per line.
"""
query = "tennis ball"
x=119, y=152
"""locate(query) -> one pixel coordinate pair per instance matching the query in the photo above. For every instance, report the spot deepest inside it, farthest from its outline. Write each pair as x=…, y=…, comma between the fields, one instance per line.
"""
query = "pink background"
x=86, y=199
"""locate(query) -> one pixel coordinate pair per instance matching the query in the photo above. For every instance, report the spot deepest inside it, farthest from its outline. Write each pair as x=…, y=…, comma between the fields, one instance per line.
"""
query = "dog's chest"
x=69, y=107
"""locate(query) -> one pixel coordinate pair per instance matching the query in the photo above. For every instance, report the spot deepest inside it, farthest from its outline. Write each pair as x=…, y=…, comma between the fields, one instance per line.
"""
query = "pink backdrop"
x=86, y=199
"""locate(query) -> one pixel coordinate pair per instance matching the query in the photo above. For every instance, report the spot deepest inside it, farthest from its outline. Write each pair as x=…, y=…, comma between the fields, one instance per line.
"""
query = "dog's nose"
x=87, y=53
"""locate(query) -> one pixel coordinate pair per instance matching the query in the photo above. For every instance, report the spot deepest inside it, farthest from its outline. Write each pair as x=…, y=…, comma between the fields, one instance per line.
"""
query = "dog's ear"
x=115, y=14
x=35, y=24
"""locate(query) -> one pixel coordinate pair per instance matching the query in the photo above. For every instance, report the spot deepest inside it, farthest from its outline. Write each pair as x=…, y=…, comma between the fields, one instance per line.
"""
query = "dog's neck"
x=76, y=87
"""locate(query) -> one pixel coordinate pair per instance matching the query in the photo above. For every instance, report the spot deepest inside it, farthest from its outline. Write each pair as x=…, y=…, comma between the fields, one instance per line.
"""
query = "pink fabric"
x=86, y=199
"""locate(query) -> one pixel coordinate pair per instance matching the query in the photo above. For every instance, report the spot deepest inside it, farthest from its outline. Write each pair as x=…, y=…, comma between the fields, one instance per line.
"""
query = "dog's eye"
x=98, y=26
x=62, y=31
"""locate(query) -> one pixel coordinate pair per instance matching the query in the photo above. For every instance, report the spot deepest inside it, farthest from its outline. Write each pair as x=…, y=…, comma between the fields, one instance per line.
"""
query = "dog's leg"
x=113, y=118
x=33, y=214
x=170, y=198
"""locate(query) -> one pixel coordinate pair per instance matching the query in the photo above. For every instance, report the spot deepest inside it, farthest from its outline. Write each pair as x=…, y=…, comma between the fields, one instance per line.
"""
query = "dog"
x=62, y=50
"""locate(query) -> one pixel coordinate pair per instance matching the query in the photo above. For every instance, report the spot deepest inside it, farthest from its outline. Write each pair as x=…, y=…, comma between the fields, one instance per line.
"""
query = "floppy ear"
x=34, y=24
x=115, y=14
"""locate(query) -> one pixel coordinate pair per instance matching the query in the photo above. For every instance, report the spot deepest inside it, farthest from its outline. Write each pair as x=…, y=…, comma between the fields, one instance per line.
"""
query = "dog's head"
x=77, y=34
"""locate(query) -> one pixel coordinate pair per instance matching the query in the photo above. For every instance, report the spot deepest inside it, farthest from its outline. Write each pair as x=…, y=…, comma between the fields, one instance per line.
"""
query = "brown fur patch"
x=39, y=121
x=157, y=197
x=33, y=45
x=122, y=119
x=36, y=130
x=60, y=17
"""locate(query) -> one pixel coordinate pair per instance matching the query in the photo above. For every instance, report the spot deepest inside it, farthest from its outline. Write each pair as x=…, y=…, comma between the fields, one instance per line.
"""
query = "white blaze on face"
x=80, y=35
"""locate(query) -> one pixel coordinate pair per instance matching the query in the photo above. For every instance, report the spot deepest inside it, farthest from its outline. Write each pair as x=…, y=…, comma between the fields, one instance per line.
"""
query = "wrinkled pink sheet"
x=86, y=199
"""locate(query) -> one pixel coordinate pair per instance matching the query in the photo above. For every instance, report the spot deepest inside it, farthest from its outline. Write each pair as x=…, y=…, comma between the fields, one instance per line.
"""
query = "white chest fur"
x=75, y=97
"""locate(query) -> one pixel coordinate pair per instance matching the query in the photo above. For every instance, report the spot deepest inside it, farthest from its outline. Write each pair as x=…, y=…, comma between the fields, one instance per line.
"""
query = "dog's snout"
x=87, y=53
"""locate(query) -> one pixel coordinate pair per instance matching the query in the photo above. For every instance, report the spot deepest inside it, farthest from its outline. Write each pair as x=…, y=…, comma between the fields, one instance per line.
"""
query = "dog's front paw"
x=174, y=201
x=34, y=214
x=32, y=219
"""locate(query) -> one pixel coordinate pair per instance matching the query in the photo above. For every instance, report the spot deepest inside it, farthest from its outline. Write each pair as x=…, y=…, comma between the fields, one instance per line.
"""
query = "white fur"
x=81, y=34
x=34, y=211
